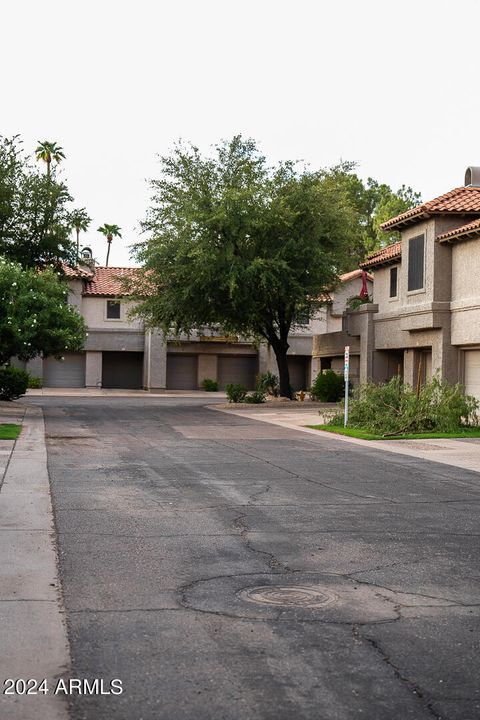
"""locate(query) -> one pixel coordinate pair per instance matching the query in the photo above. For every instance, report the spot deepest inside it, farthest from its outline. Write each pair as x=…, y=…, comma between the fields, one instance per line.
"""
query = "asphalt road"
x=224, y=568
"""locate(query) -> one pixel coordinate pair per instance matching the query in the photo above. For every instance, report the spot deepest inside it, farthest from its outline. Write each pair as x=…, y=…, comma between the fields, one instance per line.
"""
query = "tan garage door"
x=472, y=373
x=237, y=369
x=69, y=372
x=182, y=372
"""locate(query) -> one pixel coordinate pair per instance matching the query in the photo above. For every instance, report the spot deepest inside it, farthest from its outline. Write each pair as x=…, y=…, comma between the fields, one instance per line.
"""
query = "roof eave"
x=469, y=235
x=397, y=223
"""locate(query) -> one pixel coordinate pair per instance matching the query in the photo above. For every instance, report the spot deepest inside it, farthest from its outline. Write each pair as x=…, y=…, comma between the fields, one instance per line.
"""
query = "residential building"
x=121, y=353
x=425, y=315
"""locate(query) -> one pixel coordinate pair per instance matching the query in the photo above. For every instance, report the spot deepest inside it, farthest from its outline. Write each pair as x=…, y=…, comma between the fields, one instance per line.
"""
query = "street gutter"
x=461, y=453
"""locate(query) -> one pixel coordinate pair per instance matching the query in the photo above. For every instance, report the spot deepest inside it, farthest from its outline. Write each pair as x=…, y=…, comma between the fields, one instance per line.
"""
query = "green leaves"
x=236, y=242
x=34, y=315
x=79, y=219
x=34, y=219
x=110, y=230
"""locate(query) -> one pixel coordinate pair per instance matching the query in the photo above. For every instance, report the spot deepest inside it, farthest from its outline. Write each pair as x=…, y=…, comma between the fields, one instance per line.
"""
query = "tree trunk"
x=280, y=349
x=78, y=244
x=108, y=252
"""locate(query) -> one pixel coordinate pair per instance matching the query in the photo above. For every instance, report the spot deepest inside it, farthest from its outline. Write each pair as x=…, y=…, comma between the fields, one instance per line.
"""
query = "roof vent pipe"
x=472, y=176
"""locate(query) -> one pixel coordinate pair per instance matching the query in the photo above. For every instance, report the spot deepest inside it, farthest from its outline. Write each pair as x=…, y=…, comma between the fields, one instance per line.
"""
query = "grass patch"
x=8, y=431
x=364, y=435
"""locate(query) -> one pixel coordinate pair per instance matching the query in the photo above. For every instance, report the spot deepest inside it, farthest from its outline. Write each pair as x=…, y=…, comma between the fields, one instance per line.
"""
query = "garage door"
x=182, y=372
x=237, y=369
x=69, y=372
x=297, y=367
x=122, y=370
x=472, y=373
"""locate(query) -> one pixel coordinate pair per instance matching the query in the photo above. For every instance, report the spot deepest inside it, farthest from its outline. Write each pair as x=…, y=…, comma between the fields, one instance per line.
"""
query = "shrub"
x=328, y=386
x=256, y=397
x=35, y=382
x=210, y=385
x=394, y=408
x=13, y=382
x=268, y=383
x=236, y=392
x=356, y=301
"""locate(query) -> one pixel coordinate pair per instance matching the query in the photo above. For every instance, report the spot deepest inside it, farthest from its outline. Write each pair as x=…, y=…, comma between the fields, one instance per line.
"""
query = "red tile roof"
x=461, y=200
x=384, y=256
x=472, y=229
x=107, y=281
x=77, y=272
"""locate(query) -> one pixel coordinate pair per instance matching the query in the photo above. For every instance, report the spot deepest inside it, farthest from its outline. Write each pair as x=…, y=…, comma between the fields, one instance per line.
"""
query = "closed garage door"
x=182, y=372
x=122, y=370
x=237, y=369
x=472, y=373
x=297, y=367
x=69, y=372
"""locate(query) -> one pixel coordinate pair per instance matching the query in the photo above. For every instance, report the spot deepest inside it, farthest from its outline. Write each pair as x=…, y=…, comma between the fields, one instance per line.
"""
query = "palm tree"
x=79, y=220
x=48, y=151
x=109, y=231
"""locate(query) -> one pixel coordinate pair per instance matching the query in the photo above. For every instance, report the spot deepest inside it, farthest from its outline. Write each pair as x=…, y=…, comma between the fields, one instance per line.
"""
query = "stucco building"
x=120, y=353
x=425, y=315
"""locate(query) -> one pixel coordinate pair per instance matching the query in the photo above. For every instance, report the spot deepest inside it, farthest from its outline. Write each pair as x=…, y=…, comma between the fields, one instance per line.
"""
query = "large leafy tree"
x=35, y=223
x=374, y=203
x=109, y=231
x=234, y=242
x=35, y=317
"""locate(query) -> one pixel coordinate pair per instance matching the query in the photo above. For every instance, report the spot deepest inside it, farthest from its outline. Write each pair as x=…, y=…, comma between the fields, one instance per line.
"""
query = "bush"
x=256, y=397
x=393, y=408
x=209, y=385
x=13, y=382
x=268, y=383
x=328, y=386
x=35, y=382
x=236, y=392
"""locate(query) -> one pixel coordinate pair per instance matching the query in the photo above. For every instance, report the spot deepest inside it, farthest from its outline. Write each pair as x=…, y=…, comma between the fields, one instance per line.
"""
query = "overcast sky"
x=392, y=86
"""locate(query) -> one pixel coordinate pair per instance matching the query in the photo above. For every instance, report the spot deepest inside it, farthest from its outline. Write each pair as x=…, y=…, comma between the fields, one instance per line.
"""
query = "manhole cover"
x=289, y=595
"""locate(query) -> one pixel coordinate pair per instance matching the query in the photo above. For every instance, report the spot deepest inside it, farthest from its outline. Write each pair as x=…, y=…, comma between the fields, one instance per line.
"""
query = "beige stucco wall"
x=465, y=305
x=93, y=369
x=75, y=288
x=94, y=310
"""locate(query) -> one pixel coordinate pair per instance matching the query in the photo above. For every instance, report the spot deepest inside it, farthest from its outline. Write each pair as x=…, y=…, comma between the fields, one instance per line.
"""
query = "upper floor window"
x=416, y=262
x=113, y=310
x=393, y=282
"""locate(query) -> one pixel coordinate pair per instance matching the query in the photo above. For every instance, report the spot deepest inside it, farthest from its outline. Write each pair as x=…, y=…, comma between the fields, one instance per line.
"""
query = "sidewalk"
x=34, y=641
x=461, y=453
x=108, y=392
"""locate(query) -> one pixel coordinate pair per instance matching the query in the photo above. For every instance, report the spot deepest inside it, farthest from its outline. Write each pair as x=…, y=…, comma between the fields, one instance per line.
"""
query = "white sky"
x=391, y=85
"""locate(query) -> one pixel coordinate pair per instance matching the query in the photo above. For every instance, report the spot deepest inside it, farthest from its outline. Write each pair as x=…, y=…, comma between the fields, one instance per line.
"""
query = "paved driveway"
x=224, y=568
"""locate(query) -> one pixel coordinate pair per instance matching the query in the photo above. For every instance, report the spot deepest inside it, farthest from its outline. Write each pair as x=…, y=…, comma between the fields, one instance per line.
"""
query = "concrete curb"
x=34, y=639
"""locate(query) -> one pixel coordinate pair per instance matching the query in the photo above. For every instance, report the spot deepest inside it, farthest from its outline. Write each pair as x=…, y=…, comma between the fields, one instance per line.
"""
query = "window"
x=113, y=310
x=416, y=260
x=393, y=282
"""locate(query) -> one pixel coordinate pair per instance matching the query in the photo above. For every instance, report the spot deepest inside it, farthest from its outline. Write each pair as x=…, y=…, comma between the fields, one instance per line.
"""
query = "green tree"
x=234, y=242
x=34, y=315
x=110, y=231
x=48, y=152
x=80, y=221
x=34, y=219
x=373, y=203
